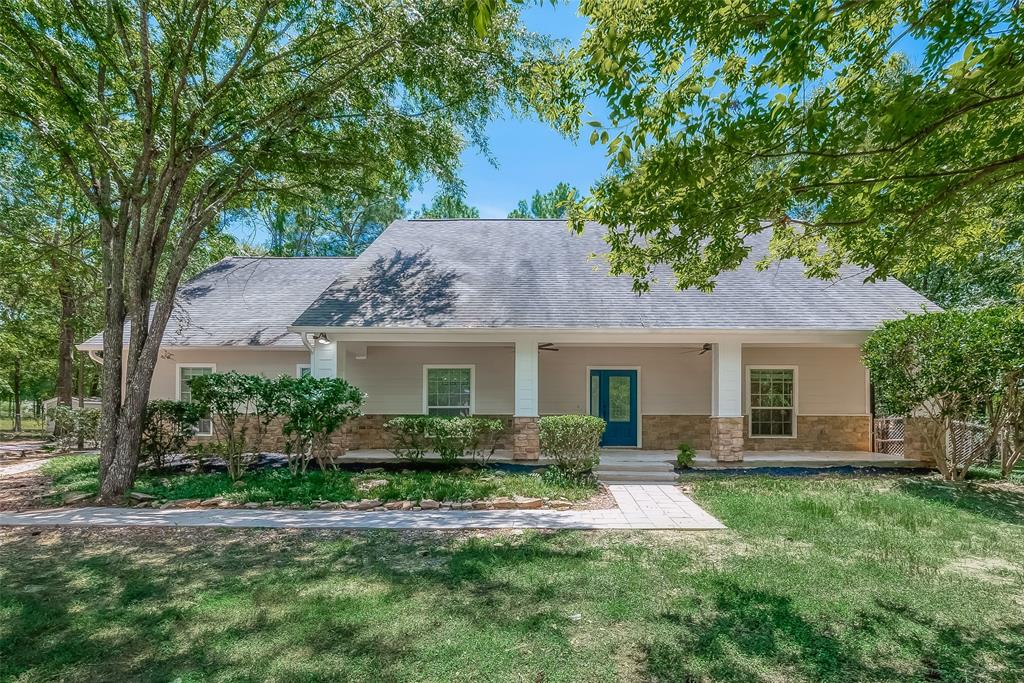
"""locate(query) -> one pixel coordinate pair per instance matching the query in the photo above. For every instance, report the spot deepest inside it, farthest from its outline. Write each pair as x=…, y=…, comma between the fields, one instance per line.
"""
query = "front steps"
x=634, y=470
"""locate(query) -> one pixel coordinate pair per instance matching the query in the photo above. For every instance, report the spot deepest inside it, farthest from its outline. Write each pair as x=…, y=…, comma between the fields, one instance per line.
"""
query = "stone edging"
x=364, y=505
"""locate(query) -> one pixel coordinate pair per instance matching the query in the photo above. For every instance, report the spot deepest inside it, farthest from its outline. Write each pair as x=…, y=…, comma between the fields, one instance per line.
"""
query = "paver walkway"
x=639, y=507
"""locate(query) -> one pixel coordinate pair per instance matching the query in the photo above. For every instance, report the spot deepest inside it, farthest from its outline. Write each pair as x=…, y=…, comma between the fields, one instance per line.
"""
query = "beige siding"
x=673, y=380
x=829, y=381
x=392, y=376
x=269, y=363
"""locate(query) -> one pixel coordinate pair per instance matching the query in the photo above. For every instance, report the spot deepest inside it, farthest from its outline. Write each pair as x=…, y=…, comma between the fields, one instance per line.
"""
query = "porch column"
x=328, y=359
x=727, y=401
x=525, y=433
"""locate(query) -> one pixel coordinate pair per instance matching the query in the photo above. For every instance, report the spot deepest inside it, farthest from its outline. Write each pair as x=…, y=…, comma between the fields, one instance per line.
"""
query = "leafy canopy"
x=448, y=204
x=551, y=204
x=725, y=119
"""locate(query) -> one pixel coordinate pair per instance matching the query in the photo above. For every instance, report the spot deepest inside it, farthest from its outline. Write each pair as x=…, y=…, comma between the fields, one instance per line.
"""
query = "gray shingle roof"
x=536, y=274
x=245, y=301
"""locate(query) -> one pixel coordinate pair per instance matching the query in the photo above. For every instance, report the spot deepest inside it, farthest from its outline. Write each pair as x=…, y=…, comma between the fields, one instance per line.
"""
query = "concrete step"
x=637, y=477
x=634, y=467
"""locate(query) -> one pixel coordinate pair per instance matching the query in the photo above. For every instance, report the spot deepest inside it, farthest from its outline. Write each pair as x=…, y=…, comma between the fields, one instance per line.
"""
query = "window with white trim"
x=185, y=374
x=448, y=390
x=772, y=402
x=303, y=369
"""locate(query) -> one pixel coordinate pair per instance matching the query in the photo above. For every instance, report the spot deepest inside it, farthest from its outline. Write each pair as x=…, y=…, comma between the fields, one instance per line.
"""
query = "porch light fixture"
x=321, y=338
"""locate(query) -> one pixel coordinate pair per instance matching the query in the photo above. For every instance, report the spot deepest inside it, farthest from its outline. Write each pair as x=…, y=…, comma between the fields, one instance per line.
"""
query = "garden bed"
x=394, y=486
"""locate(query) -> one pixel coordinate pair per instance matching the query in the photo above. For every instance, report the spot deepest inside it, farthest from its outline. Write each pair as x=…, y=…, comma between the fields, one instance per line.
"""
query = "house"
x=514, y=318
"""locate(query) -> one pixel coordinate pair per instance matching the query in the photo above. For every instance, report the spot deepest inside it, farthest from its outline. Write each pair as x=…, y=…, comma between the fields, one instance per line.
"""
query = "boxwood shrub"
x=572, y=441
x=451, y=437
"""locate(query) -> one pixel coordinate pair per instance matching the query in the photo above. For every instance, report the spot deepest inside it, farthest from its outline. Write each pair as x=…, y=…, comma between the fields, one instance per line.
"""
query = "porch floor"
x=635, y=456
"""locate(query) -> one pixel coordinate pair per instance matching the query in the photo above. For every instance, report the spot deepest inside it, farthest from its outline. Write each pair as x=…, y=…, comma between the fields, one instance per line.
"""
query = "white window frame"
x=796, y=401
x=177, y=385
x=300, y=366
x=451, y=366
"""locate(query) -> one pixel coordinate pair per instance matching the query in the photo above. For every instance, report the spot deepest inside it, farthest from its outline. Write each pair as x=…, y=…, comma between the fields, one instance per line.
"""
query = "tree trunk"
x=123, y=459
x=65, y=344
x=81, y=397
x=17, y=394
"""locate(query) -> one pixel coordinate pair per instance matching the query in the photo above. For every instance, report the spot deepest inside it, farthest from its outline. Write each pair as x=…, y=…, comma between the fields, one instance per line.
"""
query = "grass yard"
x=80, y=473
x=827, y=579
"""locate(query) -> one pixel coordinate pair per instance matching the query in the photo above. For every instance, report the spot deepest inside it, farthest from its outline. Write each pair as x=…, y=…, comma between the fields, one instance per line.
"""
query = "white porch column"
x=727, y=422
x=526, y=378
x=727, y=379
x=325, y=362
x=525, y=433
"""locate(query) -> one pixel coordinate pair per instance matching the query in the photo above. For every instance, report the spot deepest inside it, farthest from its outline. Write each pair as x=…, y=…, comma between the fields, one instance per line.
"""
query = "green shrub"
x=409, y=436
x=313, y=409
x=72, y=426
x=572, y=441
x=166, y=428
x=240, y=408
x=685, y=455
x=451, y=437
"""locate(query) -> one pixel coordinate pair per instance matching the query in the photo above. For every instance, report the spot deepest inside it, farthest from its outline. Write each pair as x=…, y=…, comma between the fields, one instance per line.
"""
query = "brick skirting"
x=818, y=433
x=666, y=432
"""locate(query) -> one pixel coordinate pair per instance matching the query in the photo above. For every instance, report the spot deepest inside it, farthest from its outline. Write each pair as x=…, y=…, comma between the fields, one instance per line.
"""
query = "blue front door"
x=613, y=399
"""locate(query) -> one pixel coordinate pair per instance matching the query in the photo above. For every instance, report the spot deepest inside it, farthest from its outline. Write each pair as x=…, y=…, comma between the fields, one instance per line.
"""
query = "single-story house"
x=518, y=319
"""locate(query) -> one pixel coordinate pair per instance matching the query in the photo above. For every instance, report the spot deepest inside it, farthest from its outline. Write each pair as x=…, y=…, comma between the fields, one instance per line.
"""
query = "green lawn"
x=79, y=473
x=29, y=425
x=825, y=579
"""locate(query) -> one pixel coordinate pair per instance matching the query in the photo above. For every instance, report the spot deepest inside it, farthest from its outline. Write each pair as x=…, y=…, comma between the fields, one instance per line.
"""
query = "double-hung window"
x=448, y=390
x=772, y=393
x=185, y=374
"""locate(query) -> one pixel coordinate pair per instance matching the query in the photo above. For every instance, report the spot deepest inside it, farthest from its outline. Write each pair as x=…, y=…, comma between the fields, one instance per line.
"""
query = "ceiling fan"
x=547, y=346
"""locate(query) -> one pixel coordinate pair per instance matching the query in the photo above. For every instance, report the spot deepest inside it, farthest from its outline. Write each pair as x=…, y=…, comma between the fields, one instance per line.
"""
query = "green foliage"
x=72, y=425
x=166, y=429
x=952, y=366
x=685, y=455
x=451, y=437
x=314, y=408
x=552, y=204
x=163, y=115
x=723, y=120
x=573, y=441
x=328, y=224
x=409, y=436
x=240, y=408
x=448, y=204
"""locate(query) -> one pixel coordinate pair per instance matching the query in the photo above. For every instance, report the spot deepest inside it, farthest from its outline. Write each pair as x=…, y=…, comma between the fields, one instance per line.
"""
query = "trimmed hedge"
x=572, y=441
x=451, y=437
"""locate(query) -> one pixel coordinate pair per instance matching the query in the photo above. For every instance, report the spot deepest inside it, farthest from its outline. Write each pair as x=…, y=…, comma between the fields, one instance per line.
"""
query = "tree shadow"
x=1002, y=501
x=742, y=634
x=401, y=289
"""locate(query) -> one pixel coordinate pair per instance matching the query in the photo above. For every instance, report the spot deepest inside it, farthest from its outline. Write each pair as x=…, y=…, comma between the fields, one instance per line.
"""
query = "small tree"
x=314, y=408
x=167, y=427
x=953, y=366
x=240, y=408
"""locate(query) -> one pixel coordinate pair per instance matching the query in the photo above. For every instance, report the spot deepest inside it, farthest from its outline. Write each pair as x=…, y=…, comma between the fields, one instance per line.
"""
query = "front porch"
x=733, y=398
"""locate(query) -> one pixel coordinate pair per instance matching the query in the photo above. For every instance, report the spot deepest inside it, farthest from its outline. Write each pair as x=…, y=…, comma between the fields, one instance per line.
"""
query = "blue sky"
x=528, y=154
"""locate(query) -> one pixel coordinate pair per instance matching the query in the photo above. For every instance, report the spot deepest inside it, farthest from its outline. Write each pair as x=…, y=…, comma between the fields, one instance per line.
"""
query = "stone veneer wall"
x=666, y=432
x=525, y=438
x=818, y=433
x=921, y=437
x=727, y=438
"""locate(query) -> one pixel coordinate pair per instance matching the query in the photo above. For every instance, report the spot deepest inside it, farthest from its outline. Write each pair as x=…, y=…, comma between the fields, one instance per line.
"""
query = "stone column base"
x=727, y=439
x=525, y=438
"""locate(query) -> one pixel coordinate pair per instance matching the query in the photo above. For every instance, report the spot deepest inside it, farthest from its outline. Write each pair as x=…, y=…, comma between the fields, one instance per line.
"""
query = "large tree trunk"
x=17, y=394
x=81, y=397
x=65, y=344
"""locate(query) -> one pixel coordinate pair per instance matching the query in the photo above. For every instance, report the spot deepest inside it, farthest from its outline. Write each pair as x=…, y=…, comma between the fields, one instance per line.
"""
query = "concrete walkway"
x=639, y=507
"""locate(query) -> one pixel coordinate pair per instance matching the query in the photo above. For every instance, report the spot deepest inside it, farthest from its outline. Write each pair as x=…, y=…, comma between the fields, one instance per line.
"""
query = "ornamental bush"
x=451, y=437
x=685, y=455
x=313, y=408
x=166, y=428
x=572, y=441
x=72, y=426
x=954, y=366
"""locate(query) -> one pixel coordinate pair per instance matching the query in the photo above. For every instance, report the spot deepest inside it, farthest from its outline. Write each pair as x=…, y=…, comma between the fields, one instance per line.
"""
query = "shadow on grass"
x=739, y=634
x=993, y=499
x=292, y=609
